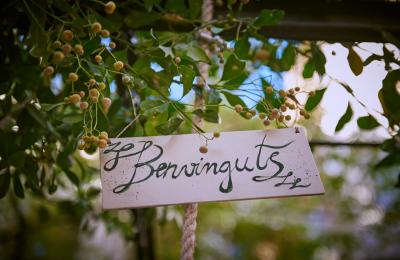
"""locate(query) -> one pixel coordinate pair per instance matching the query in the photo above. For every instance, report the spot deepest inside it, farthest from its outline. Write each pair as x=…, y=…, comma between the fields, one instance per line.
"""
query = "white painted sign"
x=164, y=170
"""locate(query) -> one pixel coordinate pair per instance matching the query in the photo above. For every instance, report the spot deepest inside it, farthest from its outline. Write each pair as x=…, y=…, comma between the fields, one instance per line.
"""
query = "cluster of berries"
x=88, y=141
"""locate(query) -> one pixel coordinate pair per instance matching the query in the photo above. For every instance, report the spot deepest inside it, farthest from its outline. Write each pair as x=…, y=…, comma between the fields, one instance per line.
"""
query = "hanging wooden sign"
x=163, y=170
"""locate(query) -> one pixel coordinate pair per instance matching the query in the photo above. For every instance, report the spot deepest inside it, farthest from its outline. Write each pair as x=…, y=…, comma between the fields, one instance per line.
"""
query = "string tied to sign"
x=191, y=210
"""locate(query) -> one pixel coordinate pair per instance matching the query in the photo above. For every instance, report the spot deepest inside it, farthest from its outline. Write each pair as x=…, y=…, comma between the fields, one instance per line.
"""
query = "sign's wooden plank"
x=164, y=170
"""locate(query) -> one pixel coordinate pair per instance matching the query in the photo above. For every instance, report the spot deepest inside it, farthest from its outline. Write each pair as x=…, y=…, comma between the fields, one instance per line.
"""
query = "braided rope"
x=190, y=216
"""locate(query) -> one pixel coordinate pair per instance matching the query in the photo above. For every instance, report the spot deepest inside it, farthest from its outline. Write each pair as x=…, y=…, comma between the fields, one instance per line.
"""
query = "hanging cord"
x=189, y=221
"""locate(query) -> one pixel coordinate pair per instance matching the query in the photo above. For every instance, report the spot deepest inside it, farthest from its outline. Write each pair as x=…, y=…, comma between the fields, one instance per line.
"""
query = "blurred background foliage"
x=50, y=206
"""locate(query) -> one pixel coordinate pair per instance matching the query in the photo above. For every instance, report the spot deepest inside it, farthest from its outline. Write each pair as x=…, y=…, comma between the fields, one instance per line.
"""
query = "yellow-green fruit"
x=288, y=117
x=253, y=112
x=82, y=93
x=238, y=108
x=86, y=138
x=75, y=98
x=79, y=49
x=103, y=135
x=102, y=143
x=48, y=71
x=177, y=60
x=68, y=35
x=280, y=118
x=84, y=105
x=109, y=7
x=262, y=116
x=94, y=99
x=73, y=77
x=105, y=33
x=96, y=27
x=66, y=49
x=216, y=134
x=106, y=102
x=203, y=149
x=269, y=89
x=307, y=116
x=283, y=108
x=94, y=92
x=126, y=79
x=112, y=45
x=98, y=58
x=102, y=86
x=118, y=65
x=56, y=45
x=81, y=146
x=282, y=93
x=249, y=115
x=58, y=57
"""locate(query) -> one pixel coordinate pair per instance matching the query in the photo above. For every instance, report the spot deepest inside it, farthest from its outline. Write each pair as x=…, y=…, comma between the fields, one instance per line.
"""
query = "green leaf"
x=209, y=115
x=167, y=51
x=197, y=54
x=170, y=126
x=194, y=8
x=372, y=58
x=288, y=57
x=153, y=107
x=5, y=178
x=389, y=97
x=188, y=76
x=269, y=17
x=355, y=62
x=242, y=48
x=367, y=122
x=309, y=69
x=233, y=100
x=319, y=59
x=345, y=118
x=136, y=19
x=148, y=4
x=72, y=118
x=72, y=177
x=233, y=68
x=312, y=102
x=18, y=188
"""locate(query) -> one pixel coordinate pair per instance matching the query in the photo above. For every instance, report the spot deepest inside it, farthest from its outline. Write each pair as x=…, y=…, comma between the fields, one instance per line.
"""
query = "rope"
x=189, y=221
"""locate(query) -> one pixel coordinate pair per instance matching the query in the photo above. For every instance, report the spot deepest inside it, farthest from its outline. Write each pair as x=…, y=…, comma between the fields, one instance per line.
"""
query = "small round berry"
x=79, y=49
x=86, y=138
x=302, y=112
x=266, y=122
x=102, y=143
x=84, y=105
x=96, y=27
x=118, y=65
x=112, y=45
x=92, y=82
x=56, y=45
x=297, y=89
x=238, y=108
x=126, y=79
x=109, y=7
x=73, y=77
x=102, y=86
x=94, y=99
x=178, y=60
x=282, y=93
x=82, y=93
x=311, y=94
x=203, y=149
x=262, y=116
x=94, y=139
x=249, y=115
x=288, y=117
x=81, y=146
x=283, y=108
x=58, y=57
x=94, y=92
x=75, y=99
x=216, y=134
x=105, y=33
x=48, y=71
x=253, y=112
x=98, y=58
x=275, y=112
x=269, y=89
x=68, y=35
x=67, y=100
x=291, y=91
x=271, y=116
x=292, y=106
x=66, y=49
x=307, y=116
x=106, y=102
x=103, y=135
x=280, y=118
